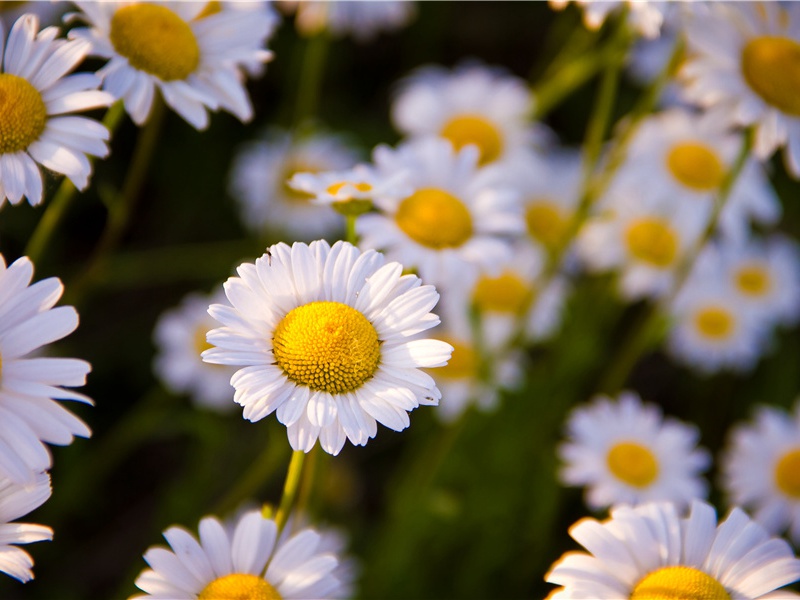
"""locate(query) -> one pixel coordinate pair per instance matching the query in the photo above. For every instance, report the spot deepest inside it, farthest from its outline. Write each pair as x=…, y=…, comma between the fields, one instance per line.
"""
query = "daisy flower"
x=645, y=18
x=30, y=386
x=761, y=469
x=259, y=182
x=192, y=58
x=37, y=98
x=324, y=338
x=651, y=552
x=626, y=452
x=455, y=224
x=180, y=335
x=247, y=560
x=472, y=104
x=17, y=500
x=363, y=20
x=739, y=55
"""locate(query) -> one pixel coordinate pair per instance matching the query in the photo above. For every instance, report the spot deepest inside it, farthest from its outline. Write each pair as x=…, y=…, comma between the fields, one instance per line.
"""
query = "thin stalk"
x=290, y=488
x=308, y=91
x=350, y=229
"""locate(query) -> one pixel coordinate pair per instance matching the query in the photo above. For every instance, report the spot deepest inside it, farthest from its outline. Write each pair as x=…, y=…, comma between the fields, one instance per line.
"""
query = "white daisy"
x=259, y=182
x=323, y=334
x=626, y=452
x=36, y=97
x=180, y=335
x=457, y=222
x=29, y=387
x=244, y=561
x=644, y=17
x=17, y=500
x=761, y=469
x=651, y=552
x=193, y=62
x=741, y=61
x=363, y=20
x=471, y=104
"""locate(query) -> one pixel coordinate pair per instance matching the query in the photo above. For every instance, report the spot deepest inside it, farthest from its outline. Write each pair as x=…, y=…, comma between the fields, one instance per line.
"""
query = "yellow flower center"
x=695, y=166
x=771, y=67
x=787, y=474
x=632, y=463
x=327, y=346
x=360, y=186
x=23, y=114
x=679, y=583
x=714, y=322
x=463, y=362
x=239, y=586
x=155, y=40
x=200, y=342
x=652, y=241
x=211, y=8
x=290, y=170
x=753, y=280
x=545, y=221
x=506, y=293
x=435, y=218
x=474, y=129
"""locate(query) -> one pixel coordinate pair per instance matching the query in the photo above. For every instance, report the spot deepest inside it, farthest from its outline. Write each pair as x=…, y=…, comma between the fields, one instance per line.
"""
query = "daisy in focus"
x=626, y=452
x=324, y=338
x=180, y=335
x=245, y=560
x=761, y=469
x=37, y=98
x=192, y=58
x=645, y=18
x=651, y=552
x=30, y=415
x=362, y=20
x=17, y=500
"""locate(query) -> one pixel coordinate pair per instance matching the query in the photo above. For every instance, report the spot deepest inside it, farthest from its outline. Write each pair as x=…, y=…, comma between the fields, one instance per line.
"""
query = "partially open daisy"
x=761, y=469
x=645, y=17
x=17, y=500
x=36, y=97
x=649, y=552
x=30, y=417
x=362, y=20
x=191, y=57
x=471, y=105
x=246, y=560
x=324, y=338
x=626, y=452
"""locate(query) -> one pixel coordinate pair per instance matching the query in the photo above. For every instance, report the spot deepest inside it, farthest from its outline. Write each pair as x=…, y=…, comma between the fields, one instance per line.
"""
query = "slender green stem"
x=290, y=488
x=308, y=92
x=350, y=229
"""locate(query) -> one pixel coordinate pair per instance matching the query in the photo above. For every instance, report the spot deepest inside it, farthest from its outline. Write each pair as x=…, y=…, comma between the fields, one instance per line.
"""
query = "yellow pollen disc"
x=506, y=293
x=361, y=187
x=714, y=322
x=200, y=342
x=211, y=8
x=545, y=221
x=462, y=364
x=155, y=40
x=652, y=241
x=474, y=129
x=632, y=463
x=695, y=166
x=771, y=67
x=753, y=280
x=239, y=586
x=679, y=583
x=23, y=114
x=787, y=474
x=435, y=218
x=327, y=346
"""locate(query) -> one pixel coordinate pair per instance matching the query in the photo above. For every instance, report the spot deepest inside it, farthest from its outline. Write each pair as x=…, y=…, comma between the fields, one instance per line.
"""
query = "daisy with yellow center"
x=193, y=62
x=37, y=98
x=244, y=560
x=625, y=452
x=323, y=336
x=650, y=552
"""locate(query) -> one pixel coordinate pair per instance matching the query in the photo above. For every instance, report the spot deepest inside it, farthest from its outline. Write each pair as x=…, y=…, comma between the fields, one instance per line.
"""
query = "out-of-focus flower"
x=645, y=17
x=17, y=500
x=362, y=20
x=324, y=336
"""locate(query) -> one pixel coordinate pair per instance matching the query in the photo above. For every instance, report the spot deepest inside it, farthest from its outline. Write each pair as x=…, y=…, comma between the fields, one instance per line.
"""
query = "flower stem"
x=350, y=229
x=290, y=488
x=311, y=76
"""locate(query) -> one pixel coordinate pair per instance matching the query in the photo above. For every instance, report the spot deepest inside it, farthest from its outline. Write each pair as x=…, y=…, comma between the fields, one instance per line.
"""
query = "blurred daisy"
x=30, y=417
x=761, y=469
x=244, y=561
x=741, y=60
x=259, y=182
x=36, y=95
x=323, y=336
x=644, y=17
x=626, y=452
x=193, y=62
x=472, y=104
x=180, y=335
x=454, y=225
x=17, y=500
x=650, y=552
x=363, y=20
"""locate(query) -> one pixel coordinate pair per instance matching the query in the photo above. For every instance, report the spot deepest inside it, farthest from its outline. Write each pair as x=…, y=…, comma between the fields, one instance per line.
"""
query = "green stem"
x=290, y=487
x=350, y=229
x=308, y=91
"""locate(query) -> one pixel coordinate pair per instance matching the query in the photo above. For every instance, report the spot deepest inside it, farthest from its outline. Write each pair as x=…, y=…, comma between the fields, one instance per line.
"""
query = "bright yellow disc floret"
x=474, y=129
x=714, y=322
x=771, y=67
x=679, y=583
x=239, y=586
x=695, y=166
x=435, y=218
x=787, y=474
x=23, y=114
x=632, y=463
x=652, y=241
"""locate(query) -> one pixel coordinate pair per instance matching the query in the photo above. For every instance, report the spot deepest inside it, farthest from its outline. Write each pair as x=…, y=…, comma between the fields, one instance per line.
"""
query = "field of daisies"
x=399, y=300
